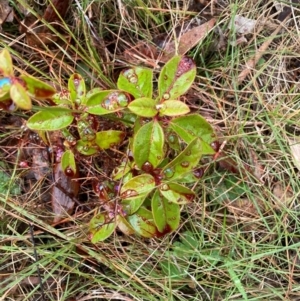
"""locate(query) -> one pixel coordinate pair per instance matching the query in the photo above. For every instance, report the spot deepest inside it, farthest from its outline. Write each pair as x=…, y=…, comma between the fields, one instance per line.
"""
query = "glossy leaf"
x=121, y=171
x=6, y=66
x=86, y=148
x=148, y=144
x=172, y=139
x=76, y=86
x=124, y=225
x=68, y=163
x=101, y=227
x=20, y=97
x=130, y=206
x=145, y=107
x=85, y=130
x=177, y=193
x=137, y=81
x=106, y=102
x=5, y=84
x=186, y=161
x=137, y=187
x=142, y=222
x=173, y=108
x=176, y=77
x=51, y=119
x=192, y=126
x=5, y=97
x=37, y=88
x=166, y=214
x=62, y=98
x=108, y=139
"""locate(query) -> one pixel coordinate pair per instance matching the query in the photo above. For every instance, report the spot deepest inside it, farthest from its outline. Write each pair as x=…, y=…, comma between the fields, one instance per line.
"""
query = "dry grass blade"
x=250, y=64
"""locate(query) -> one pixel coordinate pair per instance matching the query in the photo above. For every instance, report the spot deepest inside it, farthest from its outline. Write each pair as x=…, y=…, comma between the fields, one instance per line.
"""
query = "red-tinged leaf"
x=20, y=97
x=63, y=193
x=177, y=193
x=148, y=145
x=7, y=104
x=101, y=227
x=166, y=214
x=108, y=139
x=135, y=191
x=38, y=88
x=176, y=77
x=173, y=108
x=68, y=163
x=76, y=86
x=106, y=102
x=186, y=161
x=51, y=119
x=145, y=107
x=137, y=81
x=143, y=224
x=137, y=187
x=6, y=66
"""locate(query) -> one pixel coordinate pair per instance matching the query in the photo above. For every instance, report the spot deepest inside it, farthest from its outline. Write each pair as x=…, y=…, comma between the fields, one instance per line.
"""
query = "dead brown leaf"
x=63, y=193
x=283, y=194
x=6, y=12
x=186, y=41
x=244, y=207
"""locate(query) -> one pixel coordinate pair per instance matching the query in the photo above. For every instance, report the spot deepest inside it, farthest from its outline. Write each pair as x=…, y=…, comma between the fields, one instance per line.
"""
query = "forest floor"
x=239, y=240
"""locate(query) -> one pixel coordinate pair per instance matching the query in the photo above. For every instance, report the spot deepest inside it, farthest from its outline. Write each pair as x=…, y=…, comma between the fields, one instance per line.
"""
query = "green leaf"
x=176, y=77
x=130, y=206
x=137, y=81
x=135, y=191
x=137, y=187
x=85, y=130
x=86, y=148
x=143, y=224
x=173, y=108
x=148, y=145
x=68, y=163
x=121, y=170
x=101, y=227
x=145, y=107
x=187, y=160
x=108, y=139
x=76, y=86
x=5, y=84
x=172, y=139
x=6, y=66
x=20, y=97
x=124, y=225
x=177, y=193
x=37, y=88
x=51, y=119
x=106, y=102
x=192, y=126
x=166, y=214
